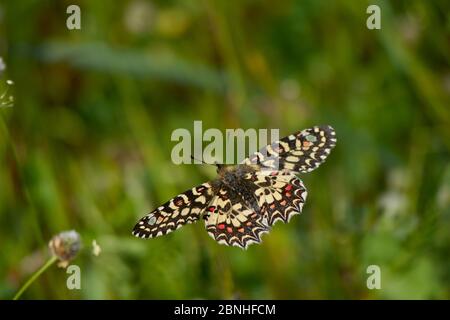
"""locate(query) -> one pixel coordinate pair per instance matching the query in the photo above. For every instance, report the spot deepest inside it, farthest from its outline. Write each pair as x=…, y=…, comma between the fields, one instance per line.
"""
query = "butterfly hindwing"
x=280, y=194
x=183, y=209
x=230, y=221
x=302, y=151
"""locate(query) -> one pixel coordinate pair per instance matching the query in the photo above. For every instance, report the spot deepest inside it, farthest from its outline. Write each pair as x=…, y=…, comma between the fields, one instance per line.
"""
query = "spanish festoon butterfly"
x=245, y=200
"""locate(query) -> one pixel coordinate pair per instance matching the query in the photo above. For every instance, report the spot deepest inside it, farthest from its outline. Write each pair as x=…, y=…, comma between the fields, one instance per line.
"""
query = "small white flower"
x=6, y=100
x=2, y=65
x=96, y=250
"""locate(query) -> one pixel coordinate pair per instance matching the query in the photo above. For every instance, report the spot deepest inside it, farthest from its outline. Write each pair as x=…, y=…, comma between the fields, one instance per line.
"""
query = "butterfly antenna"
x=194, y=158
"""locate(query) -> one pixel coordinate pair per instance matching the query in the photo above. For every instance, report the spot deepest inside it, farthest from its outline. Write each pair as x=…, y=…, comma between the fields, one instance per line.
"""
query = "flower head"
x=65, y=246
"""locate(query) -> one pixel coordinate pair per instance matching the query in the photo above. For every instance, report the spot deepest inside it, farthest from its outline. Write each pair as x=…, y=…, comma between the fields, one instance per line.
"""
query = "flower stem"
x=35, y=276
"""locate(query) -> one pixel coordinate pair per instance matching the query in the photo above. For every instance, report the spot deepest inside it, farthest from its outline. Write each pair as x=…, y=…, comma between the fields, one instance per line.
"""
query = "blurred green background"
x=87, y=144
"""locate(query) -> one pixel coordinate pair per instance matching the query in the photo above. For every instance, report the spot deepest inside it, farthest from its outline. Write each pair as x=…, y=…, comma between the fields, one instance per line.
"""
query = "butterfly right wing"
x=185, y=208
x=302, y=151
x=280, y=194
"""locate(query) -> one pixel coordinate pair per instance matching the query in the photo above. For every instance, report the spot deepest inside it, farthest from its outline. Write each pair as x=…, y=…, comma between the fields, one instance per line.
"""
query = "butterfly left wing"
x=183, y=209
x=230, y=221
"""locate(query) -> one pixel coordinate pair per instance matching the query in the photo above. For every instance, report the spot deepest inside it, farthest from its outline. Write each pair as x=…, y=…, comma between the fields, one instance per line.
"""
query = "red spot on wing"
x=288, y=187
x=221, y=226
x=229, y=229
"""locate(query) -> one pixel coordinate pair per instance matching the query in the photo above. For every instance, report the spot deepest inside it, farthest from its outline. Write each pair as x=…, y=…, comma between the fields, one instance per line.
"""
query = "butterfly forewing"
x=185, y=208
x=302, y=151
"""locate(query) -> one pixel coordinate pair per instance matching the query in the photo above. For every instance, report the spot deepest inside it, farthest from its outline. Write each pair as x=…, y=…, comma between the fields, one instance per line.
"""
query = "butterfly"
x=247, y=199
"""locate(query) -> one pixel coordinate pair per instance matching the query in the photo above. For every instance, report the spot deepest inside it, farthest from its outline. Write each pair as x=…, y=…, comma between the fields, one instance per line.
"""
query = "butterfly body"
x=247, y=199
x=234, y=178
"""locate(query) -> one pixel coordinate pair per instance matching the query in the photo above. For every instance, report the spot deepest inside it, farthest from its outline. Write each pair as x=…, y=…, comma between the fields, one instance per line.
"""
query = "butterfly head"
x=222, y=169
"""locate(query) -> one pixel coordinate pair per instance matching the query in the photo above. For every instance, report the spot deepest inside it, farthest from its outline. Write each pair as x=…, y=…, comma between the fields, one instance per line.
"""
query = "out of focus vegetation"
x=87, y=144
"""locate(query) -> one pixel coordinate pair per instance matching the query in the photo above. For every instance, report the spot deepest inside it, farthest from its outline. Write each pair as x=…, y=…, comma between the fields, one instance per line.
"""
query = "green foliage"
x=87, y=144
